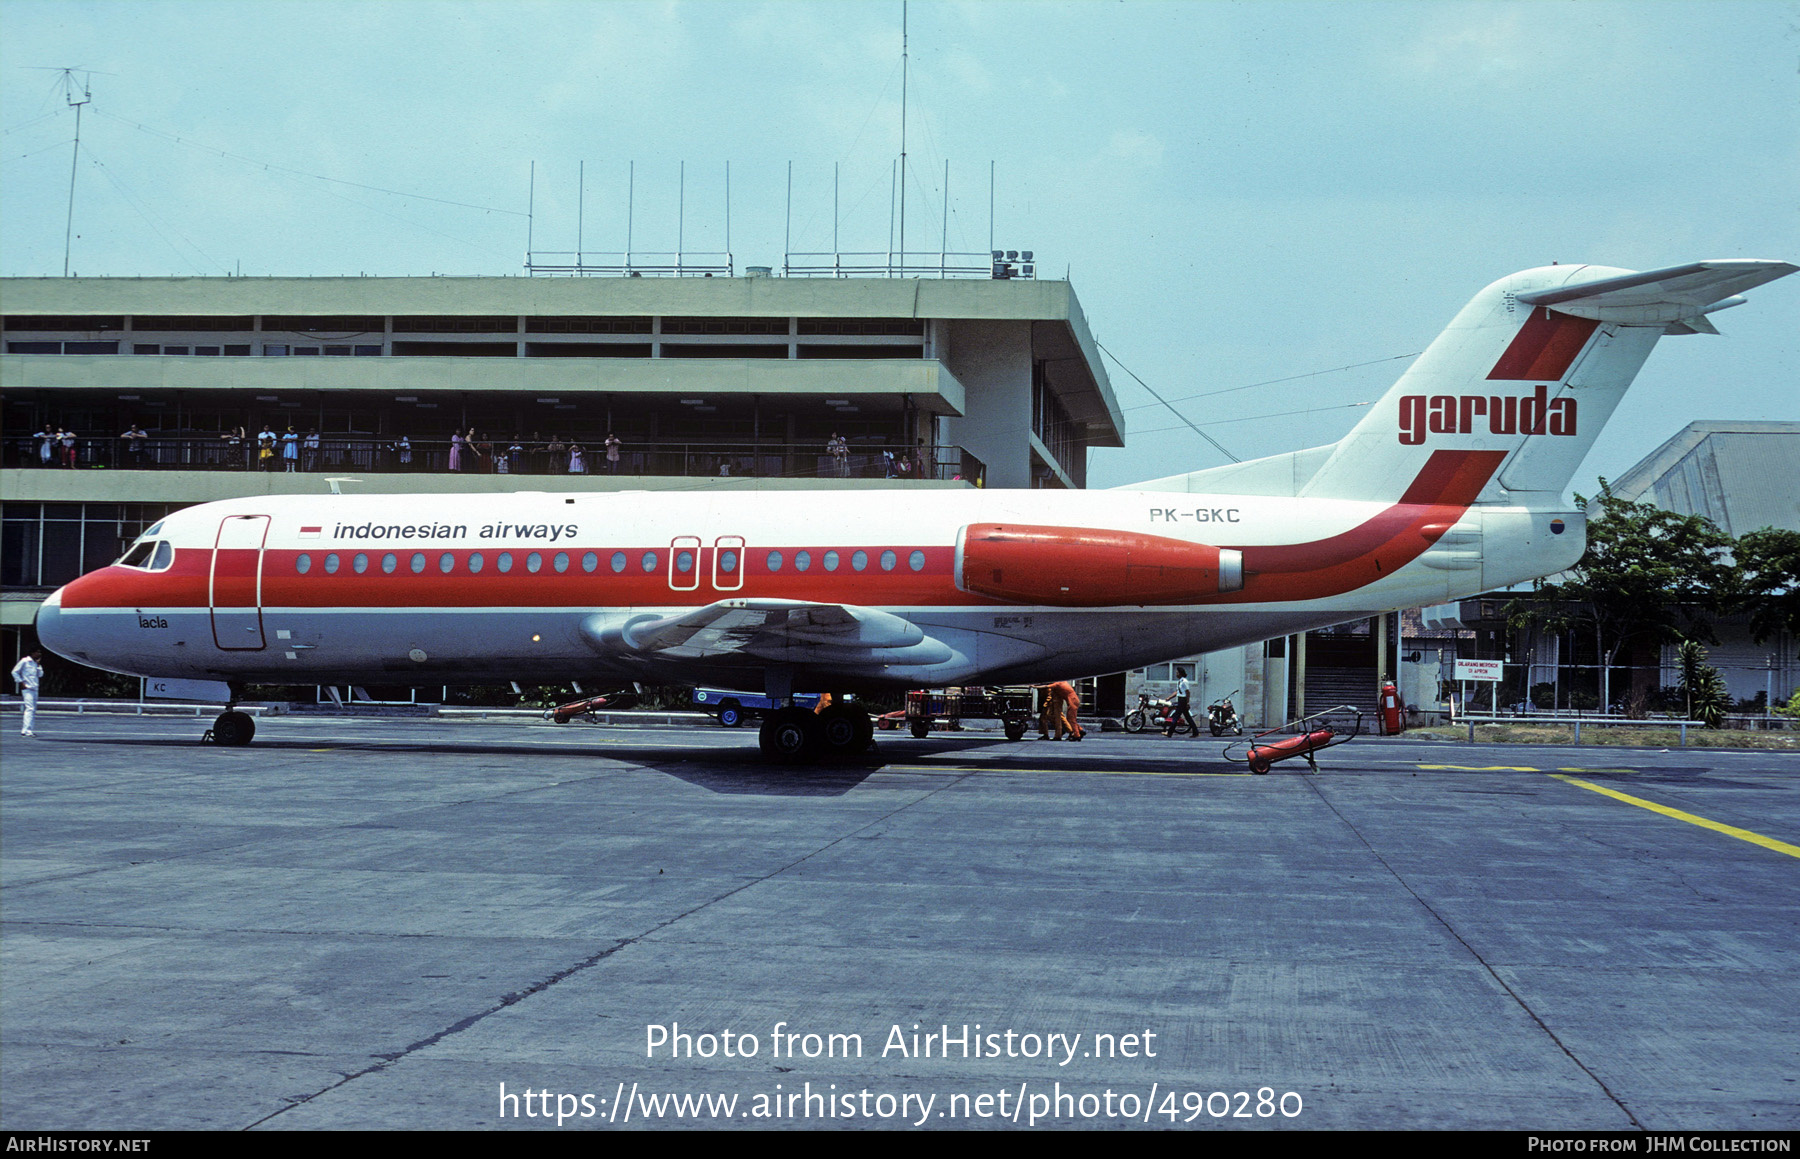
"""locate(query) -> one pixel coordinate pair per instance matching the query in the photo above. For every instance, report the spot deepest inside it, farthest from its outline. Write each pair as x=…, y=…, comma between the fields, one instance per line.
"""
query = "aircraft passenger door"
x=728, y=563
x=684, y=563
x=235, y=585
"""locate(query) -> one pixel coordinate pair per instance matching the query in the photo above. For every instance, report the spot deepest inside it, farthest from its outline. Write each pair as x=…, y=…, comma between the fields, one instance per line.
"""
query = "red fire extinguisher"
x=1393, y=713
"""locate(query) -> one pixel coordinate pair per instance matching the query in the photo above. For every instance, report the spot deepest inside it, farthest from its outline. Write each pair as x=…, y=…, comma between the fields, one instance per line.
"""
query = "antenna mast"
x=903, y=70
x=69, y=95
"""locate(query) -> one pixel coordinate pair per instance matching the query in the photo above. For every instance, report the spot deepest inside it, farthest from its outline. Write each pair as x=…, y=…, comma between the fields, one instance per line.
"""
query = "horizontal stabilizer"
x=1677, y=294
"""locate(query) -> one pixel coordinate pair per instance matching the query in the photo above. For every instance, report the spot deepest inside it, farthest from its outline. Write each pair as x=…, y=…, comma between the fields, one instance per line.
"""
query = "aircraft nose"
x=50, y=627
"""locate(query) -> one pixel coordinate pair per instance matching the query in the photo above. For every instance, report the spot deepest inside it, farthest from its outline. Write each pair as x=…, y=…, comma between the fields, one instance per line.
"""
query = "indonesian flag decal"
x=311, y=532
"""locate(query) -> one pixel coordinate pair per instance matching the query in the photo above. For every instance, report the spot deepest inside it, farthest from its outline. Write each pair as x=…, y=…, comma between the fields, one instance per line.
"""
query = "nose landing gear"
x=233, y=728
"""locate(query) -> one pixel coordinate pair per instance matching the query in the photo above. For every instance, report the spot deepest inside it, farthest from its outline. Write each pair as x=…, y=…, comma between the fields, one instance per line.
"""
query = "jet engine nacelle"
x=1088, y=567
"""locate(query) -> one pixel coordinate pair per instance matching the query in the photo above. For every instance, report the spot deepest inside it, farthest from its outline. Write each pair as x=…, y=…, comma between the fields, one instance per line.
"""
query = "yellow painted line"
x=1691, y=819
x=1516, y=769
x=1484, y=768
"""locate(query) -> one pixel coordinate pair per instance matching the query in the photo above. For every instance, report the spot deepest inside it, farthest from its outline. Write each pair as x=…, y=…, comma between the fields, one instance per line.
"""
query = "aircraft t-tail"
x=1452, y=485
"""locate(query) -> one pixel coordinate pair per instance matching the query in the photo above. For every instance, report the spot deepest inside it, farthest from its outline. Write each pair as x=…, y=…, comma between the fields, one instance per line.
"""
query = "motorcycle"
x=1152, y=713
x=1223, y=718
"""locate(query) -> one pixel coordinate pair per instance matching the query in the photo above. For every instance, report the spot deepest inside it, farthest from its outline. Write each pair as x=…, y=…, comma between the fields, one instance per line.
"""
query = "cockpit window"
x=153, y=531
x=139, y=555
x=165, y=555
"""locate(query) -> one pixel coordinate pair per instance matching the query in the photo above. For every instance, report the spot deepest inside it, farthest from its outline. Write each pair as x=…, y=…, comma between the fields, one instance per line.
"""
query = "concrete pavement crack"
x=587, y=963
x=1313, y=783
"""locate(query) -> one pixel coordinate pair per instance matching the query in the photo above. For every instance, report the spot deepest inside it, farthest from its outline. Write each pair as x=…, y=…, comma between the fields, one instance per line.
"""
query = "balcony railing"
x=374, y=453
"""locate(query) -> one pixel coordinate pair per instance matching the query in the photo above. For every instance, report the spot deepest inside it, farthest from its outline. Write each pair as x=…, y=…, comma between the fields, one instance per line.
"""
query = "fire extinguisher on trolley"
x=1393, y=713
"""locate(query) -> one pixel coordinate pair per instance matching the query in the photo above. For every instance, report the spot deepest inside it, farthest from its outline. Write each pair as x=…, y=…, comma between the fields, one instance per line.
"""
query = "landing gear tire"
x=790, y=735
x=921, y=729
x=1015, y=730
x=233, y=728
x=731, y=714
x=844, y=730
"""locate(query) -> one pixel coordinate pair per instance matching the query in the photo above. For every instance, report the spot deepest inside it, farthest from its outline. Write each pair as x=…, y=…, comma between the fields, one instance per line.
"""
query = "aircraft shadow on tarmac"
x=741, y=770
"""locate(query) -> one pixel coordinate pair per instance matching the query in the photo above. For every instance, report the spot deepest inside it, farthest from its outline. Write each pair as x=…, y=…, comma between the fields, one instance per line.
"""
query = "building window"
x=275, y=349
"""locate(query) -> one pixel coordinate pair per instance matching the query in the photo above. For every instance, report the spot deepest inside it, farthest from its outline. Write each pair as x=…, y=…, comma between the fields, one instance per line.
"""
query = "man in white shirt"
x=1181, y=717
x=26, y=674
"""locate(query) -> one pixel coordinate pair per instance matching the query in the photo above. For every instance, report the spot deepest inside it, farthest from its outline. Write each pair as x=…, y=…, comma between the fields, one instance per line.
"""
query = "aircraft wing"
x=1677, y=296
x=770, y=630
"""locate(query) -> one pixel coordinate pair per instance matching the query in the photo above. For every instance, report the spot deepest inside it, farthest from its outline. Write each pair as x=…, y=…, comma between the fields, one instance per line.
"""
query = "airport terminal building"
x=125, y=397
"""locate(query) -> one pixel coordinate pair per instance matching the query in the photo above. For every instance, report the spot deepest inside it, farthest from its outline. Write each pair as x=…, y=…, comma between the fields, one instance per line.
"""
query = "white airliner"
x=1452, y=485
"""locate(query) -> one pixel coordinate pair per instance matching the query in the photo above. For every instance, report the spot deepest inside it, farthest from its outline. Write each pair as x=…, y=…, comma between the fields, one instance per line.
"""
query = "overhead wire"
x=1189, y=423
x=133, y=201
x=270, y=165
x=1276, y=381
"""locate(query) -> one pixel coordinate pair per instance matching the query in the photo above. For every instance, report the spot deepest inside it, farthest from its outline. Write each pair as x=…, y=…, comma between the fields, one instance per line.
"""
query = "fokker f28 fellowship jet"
x=1451, y=485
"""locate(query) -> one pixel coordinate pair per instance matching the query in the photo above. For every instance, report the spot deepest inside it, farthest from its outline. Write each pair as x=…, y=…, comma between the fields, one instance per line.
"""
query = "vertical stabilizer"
x=1530, y=369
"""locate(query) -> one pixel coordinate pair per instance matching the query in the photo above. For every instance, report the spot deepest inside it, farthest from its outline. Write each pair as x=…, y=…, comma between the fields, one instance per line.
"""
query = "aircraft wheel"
x=233, y=728
x=789, y=734
x=731, y=714
x=921, y=729
x=1015, y=730
x=844, y=730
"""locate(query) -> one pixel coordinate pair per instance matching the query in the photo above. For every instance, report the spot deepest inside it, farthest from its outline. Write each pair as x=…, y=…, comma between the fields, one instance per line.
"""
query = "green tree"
x=1769, y=577
x=1648, y=576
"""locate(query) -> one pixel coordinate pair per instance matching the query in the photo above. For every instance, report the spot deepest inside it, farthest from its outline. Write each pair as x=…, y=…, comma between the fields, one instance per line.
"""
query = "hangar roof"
x=1740, y=475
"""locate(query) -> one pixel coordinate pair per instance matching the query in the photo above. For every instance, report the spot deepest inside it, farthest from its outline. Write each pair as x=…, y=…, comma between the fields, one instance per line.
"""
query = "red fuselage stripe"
x=1445, y=487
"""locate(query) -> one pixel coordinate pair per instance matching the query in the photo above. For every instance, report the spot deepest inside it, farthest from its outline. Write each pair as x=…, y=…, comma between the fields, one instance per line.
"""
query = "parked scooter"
x=1223, y=718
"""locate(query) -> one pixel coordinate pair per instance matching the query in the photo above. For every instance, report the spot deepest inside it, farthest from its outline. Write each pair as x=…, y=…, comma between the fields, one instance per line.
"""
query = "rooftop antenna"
x=68, y=83
x=630, y=195
x=680, y=214
x=903, y=71
x=530, y=212
x=580, y=191
x=728, y=210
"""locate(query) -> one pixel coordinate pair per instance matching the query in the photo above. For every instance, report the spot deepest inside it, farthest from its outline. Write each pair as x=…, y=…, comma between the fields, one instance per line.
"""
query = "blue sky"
x=1240, y=192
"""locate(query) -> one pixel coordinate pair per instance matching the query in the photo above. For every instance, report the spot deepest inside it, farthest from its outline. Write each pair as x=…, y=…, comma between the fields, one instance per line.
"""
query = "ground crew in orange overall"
x=1061, y=701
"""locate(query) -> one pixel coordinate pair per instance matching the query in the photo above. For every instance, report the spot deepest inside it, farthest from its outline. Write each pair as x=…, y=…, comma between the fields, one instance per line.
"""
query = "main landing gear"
x=233, y=728
x=797, y=734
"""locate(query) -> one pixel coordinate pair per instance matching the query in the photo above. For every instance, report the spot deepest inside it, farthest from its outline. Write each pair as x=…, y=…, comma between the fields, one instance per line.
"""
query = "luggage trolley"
x=1297, y=738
